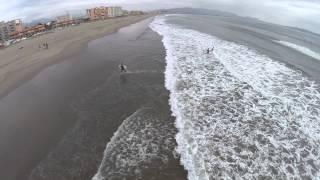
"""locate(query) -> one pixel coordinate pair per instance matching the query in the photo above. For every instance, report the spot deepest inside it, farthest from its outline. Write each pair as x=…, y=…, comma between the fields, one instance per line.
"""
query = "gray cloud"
x=299, y=13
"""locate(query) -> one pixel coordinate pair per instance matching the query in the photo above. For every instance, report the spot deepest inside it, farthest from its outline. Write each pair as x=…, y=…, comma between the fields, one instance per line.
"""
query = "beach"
x=17, y=65
x=57, y=124
x=247, y=109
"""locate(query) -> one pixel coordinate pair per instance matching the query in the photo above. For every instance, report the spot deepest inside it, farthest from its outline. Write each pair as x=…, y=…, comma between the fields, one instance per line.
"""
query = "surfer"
x=208, y=51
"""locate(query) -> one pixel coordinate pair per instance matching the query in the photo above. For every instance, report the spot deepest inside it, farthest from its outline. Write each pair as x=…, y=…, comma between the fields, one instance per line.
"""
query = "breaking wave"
x=239, y=114
x=144, y=143
x=301, y=49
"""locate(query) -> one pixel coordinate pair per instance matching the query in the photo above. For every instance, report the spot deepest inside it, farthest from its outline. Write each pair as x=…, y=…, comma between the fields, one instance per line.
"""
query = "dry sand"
x=17, y=65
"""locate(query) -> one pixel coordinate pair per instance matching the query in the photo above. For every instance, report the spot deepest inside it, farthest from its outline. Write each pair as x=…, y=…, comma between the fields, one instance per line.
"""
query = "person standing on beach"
x=122, y=68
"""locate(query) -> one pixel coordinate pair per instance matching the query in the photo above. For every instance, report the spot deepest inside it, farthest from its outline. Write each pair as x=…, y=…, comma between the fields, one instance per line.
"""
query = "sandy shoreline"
x=18, y=65
x=57, y=124
x=134, y=104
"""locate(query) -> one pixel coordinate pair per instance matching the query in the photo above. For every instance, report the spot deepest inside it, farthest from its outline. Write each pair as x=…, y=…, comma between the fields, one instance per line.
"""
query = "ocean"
x=248, y=109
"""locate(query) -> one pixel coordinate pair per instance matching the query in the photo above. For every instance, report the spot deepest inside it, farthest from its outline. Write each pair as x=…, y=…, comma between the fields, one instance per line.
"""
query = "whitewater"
x=301, y=49
x=239, y=114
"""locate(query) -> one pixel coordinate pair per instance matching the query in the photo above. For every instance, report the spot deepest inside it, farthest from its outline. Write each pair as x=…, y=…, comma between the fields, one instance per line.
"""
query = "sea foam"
x=144, y=142
x=239, y=114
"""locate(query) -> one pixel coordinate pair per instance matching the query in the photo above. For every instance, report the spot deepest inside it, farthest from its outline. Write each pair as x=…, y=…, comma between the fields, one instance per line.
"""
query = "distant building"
x=104, y=12
x=135, y=13
x=97, y=13
x=6, y=28
x=115, y=11
x=28, y=32
x=125, y=12
x=65, y=23
x=64, y=18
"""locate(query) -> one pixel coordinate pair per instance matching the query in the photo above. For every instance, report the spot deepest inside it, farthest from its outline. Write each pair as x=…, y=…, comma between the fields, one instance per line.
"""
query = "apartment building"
x=7, y=28
x=115, y=11
x=4, y=34
x=104, y=12
x=97, y=13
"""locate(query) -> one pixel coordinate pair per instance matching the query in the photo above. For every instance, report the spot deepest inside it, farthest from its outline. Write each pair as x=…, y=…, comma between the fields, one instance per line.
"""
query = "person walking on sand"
x=122, y=68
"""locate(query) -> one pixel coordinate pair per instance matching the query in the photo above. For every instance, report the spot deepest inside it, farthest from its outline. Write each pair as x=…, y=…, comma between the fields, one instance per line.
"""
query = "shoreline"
x=102, y=111
x=40, y=112
x=17, y=68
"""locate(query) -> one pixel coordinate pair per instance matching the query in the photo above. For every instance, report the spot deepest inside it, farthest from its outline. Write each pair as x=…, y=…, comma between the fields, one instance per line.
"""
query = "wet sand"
x=18, y=65
x=72, y=109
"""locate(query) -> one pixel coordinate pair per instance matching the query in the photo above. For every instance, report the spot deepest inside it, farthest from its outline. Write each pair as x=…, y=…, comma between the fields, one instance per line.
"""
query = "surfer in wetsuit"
x=122, y=68
x=208, y=51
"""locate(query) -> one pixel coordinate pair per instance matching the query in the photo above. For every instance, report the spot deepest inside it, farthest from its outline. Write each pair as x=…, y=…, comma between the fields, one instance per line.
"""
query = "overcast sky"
x=300, y=13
